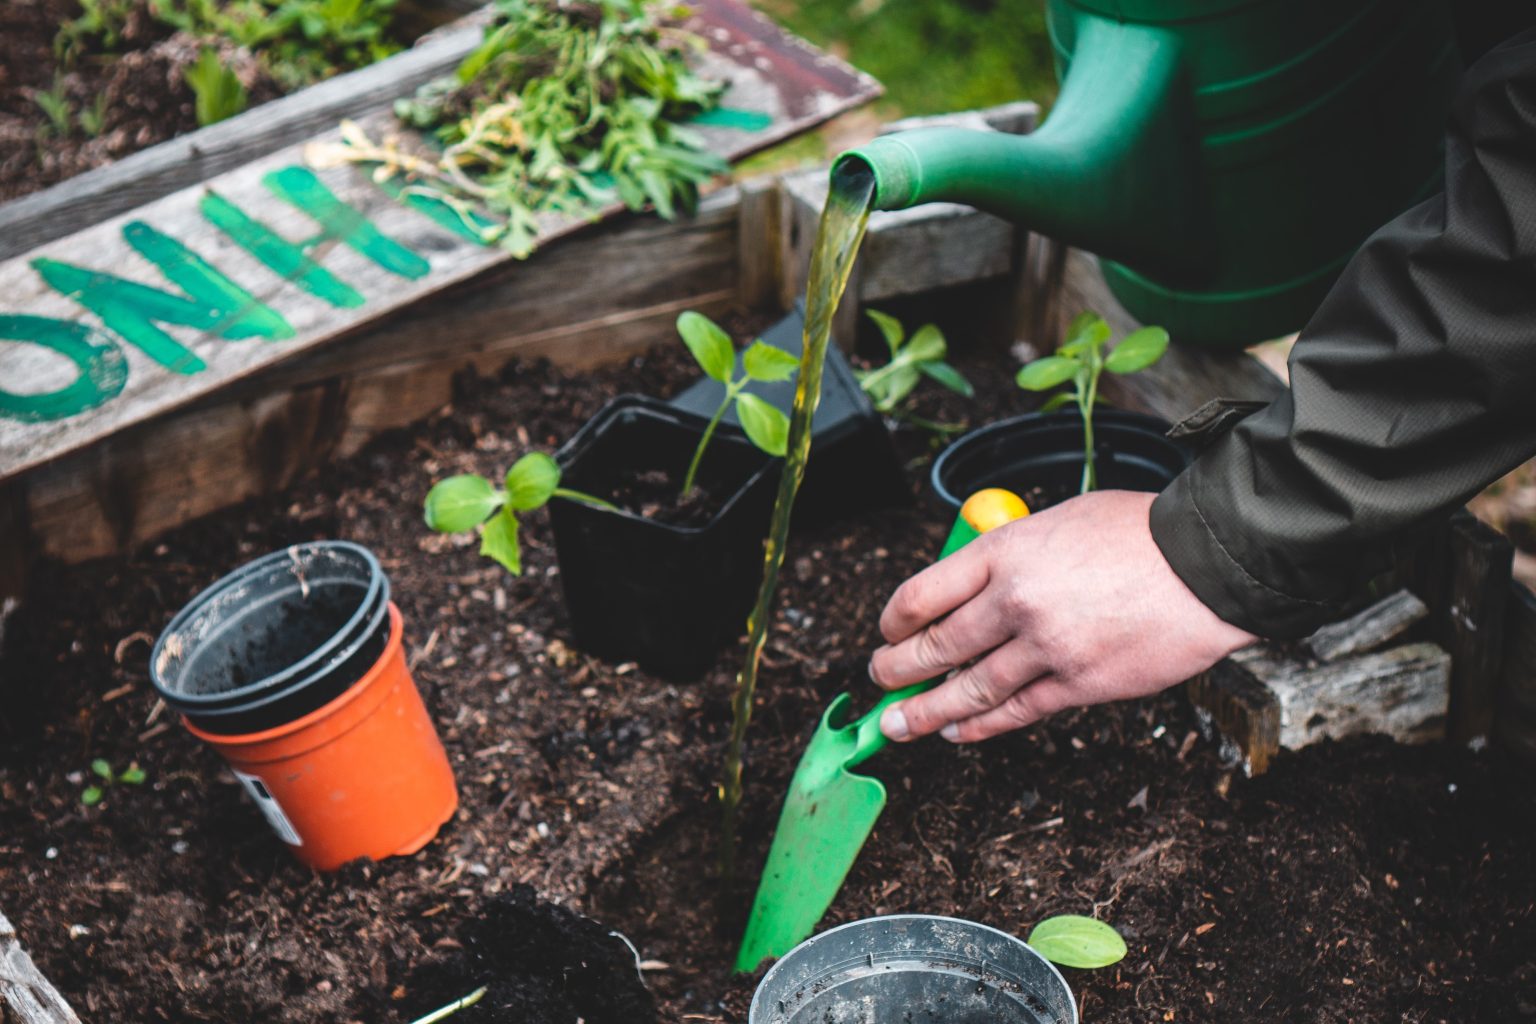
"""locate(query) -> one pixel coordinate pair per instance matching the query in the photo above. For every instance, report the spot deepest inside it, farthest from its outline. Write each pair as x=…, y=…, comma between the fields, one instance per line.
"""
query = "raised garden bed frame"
x=747, y=249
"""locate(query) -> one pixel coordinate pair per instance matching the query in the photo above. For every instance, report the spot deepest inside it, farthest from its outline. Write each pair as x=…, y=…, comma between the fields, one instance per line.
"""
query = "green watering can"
x=829, y=810
x=1224, y=158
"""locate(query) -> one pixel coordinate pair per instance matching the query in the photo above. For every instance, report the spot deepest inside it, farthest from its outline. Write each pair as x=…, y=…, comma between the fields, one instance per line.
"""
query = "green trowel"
x=830, y=810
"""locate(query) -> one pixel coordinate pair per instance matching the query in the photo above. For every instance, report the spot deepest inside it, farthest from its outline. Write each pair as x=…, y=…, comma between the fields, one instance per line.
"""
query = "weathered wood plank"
x=27, y=997
x=1403, y=693
x=1481, y=563
x=1239, y=711
x=1265, y=698
x=153, y=173
x=264, y=433
x=1515, y=723
x=769, y=73
x=1385, y=620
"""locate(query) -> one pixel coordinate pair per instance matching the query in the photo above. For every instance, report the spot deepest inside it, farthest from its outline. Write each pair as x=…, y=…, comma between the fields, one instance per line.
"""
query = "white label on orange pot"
x=271, y=808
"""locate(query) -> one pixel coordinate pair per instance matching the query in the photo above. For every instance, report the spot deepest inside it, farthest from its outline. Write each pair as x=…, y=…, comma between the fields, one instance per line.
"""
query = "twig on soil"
x=639, y=970
x=453, y=1007
x=421, y=652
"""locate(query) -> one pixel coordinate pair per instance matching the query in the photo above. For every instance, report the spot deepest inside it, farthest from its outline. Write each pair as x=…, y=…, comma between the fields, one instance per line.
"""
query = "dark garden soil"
x=140, y=89
x=1358, y=881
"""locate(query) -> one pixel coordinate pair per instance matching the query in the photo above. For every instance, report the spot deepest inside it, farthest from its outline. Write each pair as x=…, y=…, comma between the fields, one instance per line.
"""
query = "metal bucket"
x=913, y=969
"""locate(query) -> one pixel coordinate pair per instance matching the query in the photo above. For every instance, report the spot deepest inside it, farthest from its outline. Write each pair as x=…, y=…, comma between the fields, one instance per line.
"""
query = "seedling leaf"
x=890, y=328
x=1086, y=330
x=92, y=796
x=102, y=768
x=895, y=387
x=949, y=377
x=461, y=503
x=766, y=427
x=1043, y=374
x=764, y=362
x=133, y=775
x=1139, y=350
x=926, y=343
x=531, y=481
x=1075, y=941
x=710, y=345
x=499, y=541
x=1057, y=401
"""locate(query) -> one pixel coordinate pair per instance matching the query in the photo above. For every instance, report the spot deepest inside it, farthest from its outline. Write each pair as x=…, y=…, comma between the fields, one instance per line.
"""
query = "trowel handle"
x=982, y=511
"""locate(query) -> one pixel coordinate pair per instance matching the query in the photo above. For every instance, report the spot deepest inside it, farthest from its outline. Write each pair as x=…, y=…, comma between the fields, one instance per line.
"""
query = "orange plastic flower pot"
x=365, y=775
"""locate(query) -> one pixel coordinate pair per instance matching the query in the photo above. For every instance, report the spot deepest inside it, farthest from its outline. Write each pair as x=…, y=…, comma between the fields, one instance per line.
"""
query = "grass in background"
x=932, y=56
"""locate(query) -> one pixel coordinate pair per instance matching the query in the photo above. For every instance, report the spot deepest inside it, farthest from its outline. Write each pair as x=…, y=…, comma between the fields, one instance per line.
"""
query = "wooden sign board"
x=147, y=311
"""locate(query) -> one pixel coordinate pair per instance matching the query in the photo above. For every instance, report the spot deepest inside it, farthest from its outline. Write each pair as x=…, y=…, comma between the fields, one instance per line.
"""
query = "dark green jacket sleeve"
x=1413, y=387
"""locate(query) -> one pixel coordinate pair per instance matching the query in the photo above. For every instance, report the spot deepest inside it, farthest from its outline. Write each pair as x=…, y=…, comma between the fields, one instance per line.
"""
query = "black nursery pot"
x=853, y=465
x=1045, y=450
x=275, y=639
x=668, y=597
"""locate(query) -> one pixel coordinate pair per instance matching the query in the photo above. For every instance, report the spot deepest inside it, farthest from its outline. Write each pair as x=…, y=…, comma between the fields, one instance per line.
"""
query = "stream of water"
x=841, y=230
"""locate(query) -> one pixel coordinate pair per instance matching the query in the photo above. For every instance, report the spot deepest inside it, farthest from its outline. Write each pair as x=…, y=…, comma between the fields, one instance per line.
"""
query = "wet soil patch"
x=1359, y=881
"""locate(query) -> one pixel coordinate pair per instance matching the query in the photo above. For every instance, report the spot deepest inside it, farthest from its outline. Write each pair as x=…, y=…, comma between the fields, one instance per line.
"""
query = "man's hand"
x=1071, y=606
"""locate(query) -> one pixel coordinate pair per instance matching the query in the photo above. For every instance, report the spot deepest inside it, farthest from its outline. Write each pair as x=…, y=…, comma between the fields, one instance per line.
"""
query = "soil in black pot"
x=541, y=964
x=656, y=494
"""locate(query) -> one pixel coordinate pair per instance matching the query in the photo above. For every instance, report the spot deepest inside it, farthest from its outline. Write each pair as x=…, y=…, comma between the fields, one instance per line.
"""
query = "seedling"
x=133, y=775
x=216, y=89
x=55, y=104
x=465, y=502
x=1082, y=361
x=1075, y=941
x=912, y=359
x=765, y=426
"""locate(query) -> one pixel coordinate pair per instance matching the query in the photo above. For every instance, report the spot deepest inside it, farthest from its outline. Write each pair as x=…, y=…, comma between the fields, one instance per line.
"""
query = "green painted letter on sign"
x=101, y=367
x=213, y=302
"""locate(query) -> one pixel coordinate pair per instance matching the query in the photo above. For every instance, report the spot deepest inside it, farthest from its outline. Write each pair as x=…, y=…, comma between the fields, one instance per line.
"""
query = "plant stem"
x=709, y=432
x=1090, y=472
x=453, y=1007
x=585, y=499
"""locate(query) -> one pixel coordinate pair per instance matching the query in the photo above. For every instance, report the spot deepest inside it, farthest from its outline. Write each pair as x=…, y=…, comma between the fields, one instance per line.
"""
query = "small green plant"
x=1081, y=360
x=764, y=425
x=133, y=775
x=1075, y=941
x=101, y=20
x=298, y=42
x=93, y=119
x=54, y=102
x=562, y=109
x=216, y=88
x=469, y=501
x=921, y=355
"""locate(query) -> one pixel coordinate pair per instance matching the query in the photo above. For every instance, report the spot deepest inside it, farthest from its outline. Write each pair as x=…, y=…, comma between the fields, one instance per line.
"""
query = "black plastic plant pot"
x=1043, y=453
x=665, y=596
x=853, y=465
x=275, y=639
x=913, y=967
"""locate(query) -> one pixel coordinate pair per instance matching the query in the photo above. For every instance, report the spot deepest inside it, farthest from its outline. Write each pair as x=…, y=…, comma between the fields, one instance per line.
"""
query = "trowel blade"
x=828, y=814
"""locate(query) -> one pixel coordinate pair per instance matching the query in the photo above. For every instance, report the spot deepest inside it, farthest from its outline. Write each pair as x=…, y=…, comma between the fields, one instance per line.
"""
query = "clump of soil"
x=538, y=962
x=1356, y=882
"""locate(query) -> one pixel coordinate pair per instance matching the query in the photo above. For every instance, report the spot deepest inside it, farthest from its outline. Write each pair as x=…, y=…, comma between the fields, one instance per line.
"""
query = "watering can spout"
x=1115, y=169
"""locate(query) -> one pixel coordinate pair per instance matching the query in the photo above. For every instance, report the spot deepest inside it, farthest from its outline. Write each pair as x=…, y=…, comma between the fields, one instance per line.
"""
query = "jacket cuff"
x=1201, y=557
